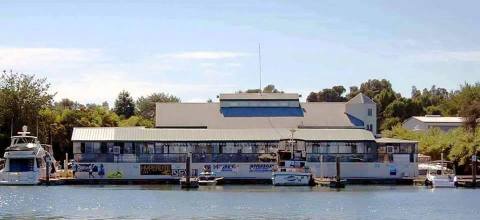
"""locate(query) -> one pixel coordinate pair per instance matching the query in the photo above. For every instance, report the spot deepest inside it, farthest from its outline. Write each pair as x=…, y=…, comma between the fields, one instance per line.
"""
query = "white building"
x=423, y=123
x=239, y=138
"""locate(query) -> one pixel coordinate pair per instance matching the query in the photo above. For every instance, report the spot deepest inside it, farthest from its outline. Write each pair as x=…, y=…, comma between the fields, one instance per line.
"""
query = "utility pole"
x=260, y=67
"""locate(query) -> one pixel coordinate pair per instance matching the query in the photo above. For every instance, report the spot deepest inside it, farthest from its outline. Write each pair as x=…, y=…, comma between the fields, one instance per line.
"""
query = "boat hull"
x=442, y=181
x=291, y=179
x=19, y=178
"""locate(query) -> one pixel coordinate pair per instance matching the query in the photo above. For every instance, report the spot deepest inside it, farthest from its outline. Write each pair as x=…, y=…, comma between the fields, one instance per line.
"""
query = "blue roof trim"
x=355, y=121
x=261, y=112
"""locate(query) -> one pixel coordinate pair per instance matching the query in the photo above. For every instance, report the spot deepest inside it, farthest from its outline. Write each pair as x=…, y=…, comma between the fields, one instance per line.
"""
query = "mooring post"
x=47, y=170
x=188, y=169
x=337, y=162
x=474, y=168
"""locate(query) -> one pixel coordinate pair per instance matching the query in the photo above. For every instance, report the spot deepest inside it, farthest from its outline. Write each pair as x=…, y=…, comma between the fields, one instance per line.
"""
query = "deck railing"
x=131, y=158
x=234, y=158
x=349, y=157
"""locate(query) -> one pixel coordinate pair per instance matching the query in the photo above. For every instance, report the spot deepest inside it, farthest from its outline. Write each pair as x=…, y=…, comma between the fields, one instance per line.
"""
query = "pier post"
x=188, y=169
x=337, y=162
x=47, y=171
x=474, y=168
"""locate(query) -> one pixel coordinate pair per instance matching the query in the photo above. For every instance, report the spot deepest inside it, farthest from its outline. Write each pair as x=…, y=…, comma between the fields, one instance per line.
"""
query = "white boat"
x=439, y=176
x=208, y=178
x=291, y=177
x=25, y=161
x=294, y=173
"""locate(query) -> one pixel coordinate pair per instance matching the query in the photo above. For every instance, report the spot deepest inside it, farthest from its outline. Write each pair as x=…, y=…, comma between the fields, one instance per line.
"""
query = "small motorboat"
x=439, y=175
x=208, y=178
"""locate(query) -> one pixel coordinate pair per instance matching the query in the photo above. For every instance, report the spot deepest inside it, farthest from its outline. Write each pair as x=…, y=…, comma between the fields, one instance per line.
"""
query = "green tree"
x=137, y=121
x=124, y=105
x=146, y=105
x=267, y=89
x=334, y=94
x=22, y=96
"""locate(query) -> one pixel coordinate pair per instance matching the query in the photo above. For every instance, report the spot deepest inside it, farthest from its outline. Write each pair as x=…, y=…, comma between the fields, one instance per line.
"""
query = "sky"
x=91, y=50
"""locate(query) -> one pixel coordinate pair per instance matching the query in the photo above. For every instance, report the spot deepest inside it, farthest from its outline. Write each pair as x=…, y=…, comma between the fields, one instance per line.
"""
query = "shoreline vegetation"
x=28, y=100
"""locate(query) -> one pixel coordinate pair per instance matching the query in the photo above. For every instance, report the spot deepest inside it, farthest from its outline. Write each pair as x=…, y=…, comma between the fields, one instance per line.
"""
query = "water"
x=238, y=202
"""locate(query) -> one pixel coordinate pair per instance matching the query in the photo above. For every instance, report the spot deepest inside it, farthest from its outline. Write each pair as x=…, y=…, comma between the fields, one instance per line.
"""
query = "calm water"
x=238, y=202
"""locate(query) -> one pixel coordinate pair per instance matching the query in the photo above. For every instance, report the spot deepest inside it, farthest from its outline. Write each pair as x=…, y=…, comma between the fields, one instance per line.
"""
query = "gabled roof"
x=315, y=115
x=361, y=99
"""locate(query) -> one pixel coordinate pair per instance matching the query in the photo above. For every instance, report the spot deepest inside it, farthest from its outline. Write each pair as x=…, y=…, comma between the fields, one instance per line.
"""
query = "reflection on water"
x=237, y=202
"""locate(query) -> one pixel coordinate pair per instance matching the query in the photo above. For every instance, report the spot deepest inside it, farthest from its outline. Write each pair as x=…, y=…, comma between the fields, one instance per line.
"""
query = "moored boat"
x=208, y=178
x=439, y=175
x=291, y=177
x=26, y=161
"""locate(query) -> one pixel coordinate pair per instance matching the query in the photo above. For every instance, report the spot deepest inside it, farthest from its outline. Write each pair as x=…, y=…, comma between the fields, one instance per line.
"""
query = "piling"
x=47, y=171
x=474, y=170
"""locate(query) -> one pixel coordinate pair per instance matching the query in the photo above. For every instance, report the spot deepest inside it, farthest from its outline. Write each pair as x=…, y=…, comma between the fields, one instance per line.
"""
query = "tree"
x=334, y=94
x=354, y=91
x=267, y=89
x=146, y=105
x=22, y=96
x=136, y=121
x=124, y=105
x=468, y=101
x=373, y=87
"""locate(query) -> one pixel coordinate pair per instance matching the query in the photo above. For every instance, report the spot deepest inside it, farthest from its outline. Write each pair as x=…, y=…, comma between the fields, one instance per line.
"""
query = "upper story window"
x=370, y=112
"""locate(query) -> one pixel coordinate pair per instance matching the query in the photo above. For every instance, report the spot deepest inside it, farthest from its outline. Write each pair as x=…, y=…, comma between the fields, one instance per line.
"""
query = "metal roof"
x=394, y=141
x=315, y=115
x=149, y=134
x=438, y=119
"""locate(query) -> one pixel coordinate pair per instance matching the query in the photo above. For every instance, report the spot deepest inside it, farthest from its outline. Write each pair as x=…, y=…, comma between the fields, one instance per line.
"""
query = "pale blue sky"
x=90, y=50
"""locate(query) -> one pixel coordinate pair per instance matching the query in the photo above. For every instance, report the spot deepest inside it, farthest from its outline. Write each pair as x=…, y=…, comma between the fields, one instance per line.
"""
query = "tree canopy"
x=146, y=105
x=124, y=105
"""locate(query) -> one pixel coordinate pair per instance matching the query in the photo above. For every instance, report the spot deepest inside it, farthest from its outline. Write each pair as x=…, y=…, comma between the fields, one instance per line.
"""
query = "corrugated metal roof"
x=394, y=140
x=145, y=134
x=259, y=96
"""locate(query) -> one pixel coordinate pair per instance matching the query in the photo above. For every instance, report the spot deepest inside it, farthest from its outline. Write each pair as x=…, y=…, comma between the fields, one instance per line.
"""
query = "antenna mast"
x=260, y=67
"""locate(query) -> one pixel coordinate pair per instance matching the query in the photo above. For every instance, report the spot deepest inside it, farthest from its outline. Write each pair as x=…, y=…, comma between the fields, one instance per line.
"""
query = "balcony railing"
x=131, y=158
x=234, y=158
x=348, y=157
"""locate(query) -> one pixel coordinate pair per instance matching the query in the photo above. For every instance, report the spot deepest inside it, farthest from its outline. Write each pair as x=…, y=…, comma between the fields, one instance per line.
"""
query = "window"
x=128, y=148
x=103, y=148
x=89, y=147
x=370, y=112
x=82, y=147
x=21, y=165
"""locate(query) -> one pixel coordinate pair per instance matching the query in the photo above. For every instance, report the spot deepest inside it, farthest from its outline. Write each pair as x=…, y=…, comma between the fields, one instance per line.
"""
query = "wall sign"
x=156, y=169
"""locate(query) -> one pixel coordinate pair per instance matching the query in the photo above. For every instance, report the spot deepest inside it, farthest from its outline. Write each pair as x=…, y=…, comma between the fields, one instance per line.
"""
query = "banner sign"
x=156, y=169
x=225, y=167
x=261, y=168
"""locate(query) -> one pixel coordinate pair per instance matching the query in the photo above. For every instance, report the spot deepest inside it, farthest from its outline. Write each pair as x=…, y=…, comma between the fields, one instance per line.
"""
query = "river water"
x=237, y=202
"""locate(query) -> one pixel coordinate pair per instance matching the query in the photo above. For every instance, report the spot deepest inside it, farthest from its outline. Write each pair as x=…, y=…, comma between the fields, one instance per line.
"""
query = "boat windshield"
x=24, y=140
